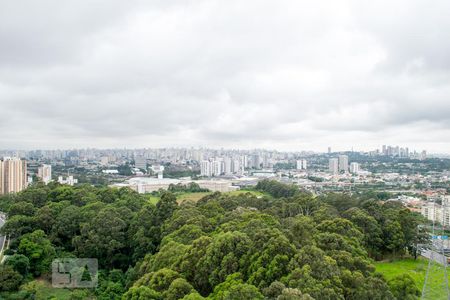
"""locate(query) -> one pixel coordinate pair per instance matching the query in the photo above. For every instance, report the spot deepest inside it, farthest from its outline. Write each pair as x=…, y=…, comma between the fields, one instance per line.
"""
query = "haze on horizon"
x=285, y=75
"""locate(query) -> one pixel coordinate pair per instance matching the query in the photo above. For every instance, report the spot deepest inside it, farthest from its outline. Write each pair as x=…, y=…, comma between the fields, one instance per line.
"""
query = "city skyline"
x=389, y=150
x=295, y=76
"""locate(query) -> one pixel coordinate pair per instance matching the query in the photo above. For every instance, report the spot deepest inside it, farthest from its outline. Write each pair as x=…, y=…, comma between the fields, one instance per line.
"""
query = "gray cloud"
x=279, y=74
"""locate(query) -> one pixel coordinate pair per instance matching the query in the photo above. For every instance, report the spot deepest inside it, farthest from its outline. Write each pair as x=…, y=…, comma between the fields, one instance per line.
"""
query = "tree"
x=394, y=239
x=18, y=225
x=303, y=230
x=404, y=287
x=293, y=294
x=223, y=256
x=277, y=189
x=103, y=237
x=39, y=250
x=9, y=279
x=234, y=288
x=46, y=215
x=21, y=208
x=66, y=226
x=341, y=202
x=369, y=226
x=166, y=206
x=178, y=289
x=19, y=263
x=141, y=293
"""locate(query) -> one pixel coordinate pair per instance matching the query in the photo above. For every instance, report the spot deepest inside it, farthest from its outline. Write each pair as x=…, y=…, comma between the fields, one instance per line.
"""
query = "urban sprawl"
x=410, y=177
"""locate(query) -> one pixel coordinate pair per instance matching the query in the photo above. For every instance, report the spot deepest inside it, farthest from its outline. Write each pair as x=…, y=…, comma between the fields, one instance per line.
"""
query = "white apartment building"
x=218, y=167
x=302, y=164
x=437, y=212
x=205, y=168
x=69, y=180
x=354, y=167
x=45, y=173
x=221, y=166
x=228, y=165
x=343, y=163
x=334, y=166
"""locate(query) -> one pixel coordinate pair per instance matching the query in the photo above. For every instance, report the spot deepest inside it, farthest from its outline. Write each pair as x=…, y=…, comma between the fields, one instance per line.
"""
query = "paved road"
x=2, y=238
x=437, y=257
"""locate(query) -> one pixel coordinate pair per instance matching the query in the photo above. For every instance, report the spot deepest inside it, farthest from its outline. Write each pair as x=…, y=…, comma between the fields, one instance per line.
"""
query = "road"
x=437, y=257
x=2, y=238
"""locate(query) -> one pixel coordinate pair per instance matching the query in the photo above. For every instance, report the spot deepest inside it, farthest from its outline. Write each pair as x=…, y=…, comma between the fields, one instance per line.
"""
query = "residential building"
x=205, y=168
x=45, y=173
x=334, y=166
x=301, y=164
x=437, y=212
x=343, y=163
x=140, y=162
x=13, y=175
x=354, y=167
x=69, y=180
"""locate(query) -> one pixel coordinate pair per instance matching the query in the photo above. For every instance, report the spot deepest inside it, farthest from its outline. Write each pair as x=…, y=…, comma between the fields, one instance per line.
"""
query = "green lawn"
x=153, y=199
x=191, y=196
x=436, y=288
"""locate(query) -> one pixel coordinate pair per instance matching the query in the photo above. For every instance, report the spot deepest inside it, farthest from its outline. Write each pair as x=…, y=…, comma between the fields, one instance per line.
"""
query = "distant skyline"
x=285, y=75
x=411, y=150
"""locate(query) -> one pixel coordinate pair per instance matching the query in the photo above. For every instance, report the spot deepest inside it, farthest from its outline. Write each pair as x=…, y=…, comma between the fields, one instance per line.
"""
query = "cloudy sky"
x=287, y=75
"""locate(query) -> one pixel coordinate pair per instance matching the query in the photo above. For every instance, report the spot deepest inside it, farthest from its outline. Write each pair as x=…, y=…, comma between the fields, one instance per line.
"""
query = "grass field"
x=153, y=199
x=436, y=288
x=191, y=196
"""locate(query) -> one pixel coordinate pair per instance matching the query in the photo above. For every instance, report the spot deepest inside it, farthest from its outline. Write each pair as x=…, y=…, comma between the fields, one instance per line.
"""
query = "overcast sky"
x=287, y=75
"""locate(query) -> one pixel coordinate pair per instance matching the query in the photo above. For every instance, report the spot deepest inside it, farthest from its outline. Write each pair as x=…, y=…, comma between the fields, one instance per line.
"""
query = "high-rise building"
x=104, y=160
x=238, y=167
x=354, y=167
x=13, y=175
x=140, y=162
x=343, y=163
x=256, y=161
x=245, y=161
x=205, y=168
x=228, y=165
x=302, y=164
x=334, y=166
x=423, y=155
x=45, y=173
x=218, y=167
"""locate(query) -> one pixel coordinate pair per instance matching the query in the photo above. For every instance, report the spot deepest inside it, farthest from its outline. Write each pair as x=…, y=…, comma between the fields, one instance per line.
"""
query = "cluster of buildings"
x=317, y=171
x=148, y=184
x=14, y=176
x=302, y=164
x=223, y=166
x=341, y=165
x=437, y=209
x=396, y=151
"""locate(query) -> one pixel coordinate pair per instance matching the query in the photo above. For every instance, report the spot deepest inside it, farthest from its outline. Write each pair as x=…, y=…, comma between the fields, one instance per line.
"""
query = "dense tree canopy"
x=289, y=245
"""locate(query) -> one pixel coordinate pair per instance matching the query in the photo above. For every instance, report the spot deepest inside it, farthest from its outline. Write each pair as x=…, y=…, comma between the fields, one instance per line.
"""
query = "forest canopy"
x=286, y=245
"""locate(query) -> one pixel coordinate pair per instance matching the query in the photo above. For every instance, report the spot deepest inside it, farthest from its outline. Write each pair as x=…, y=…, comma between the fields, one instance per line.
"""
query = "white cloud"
x=278, y=74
